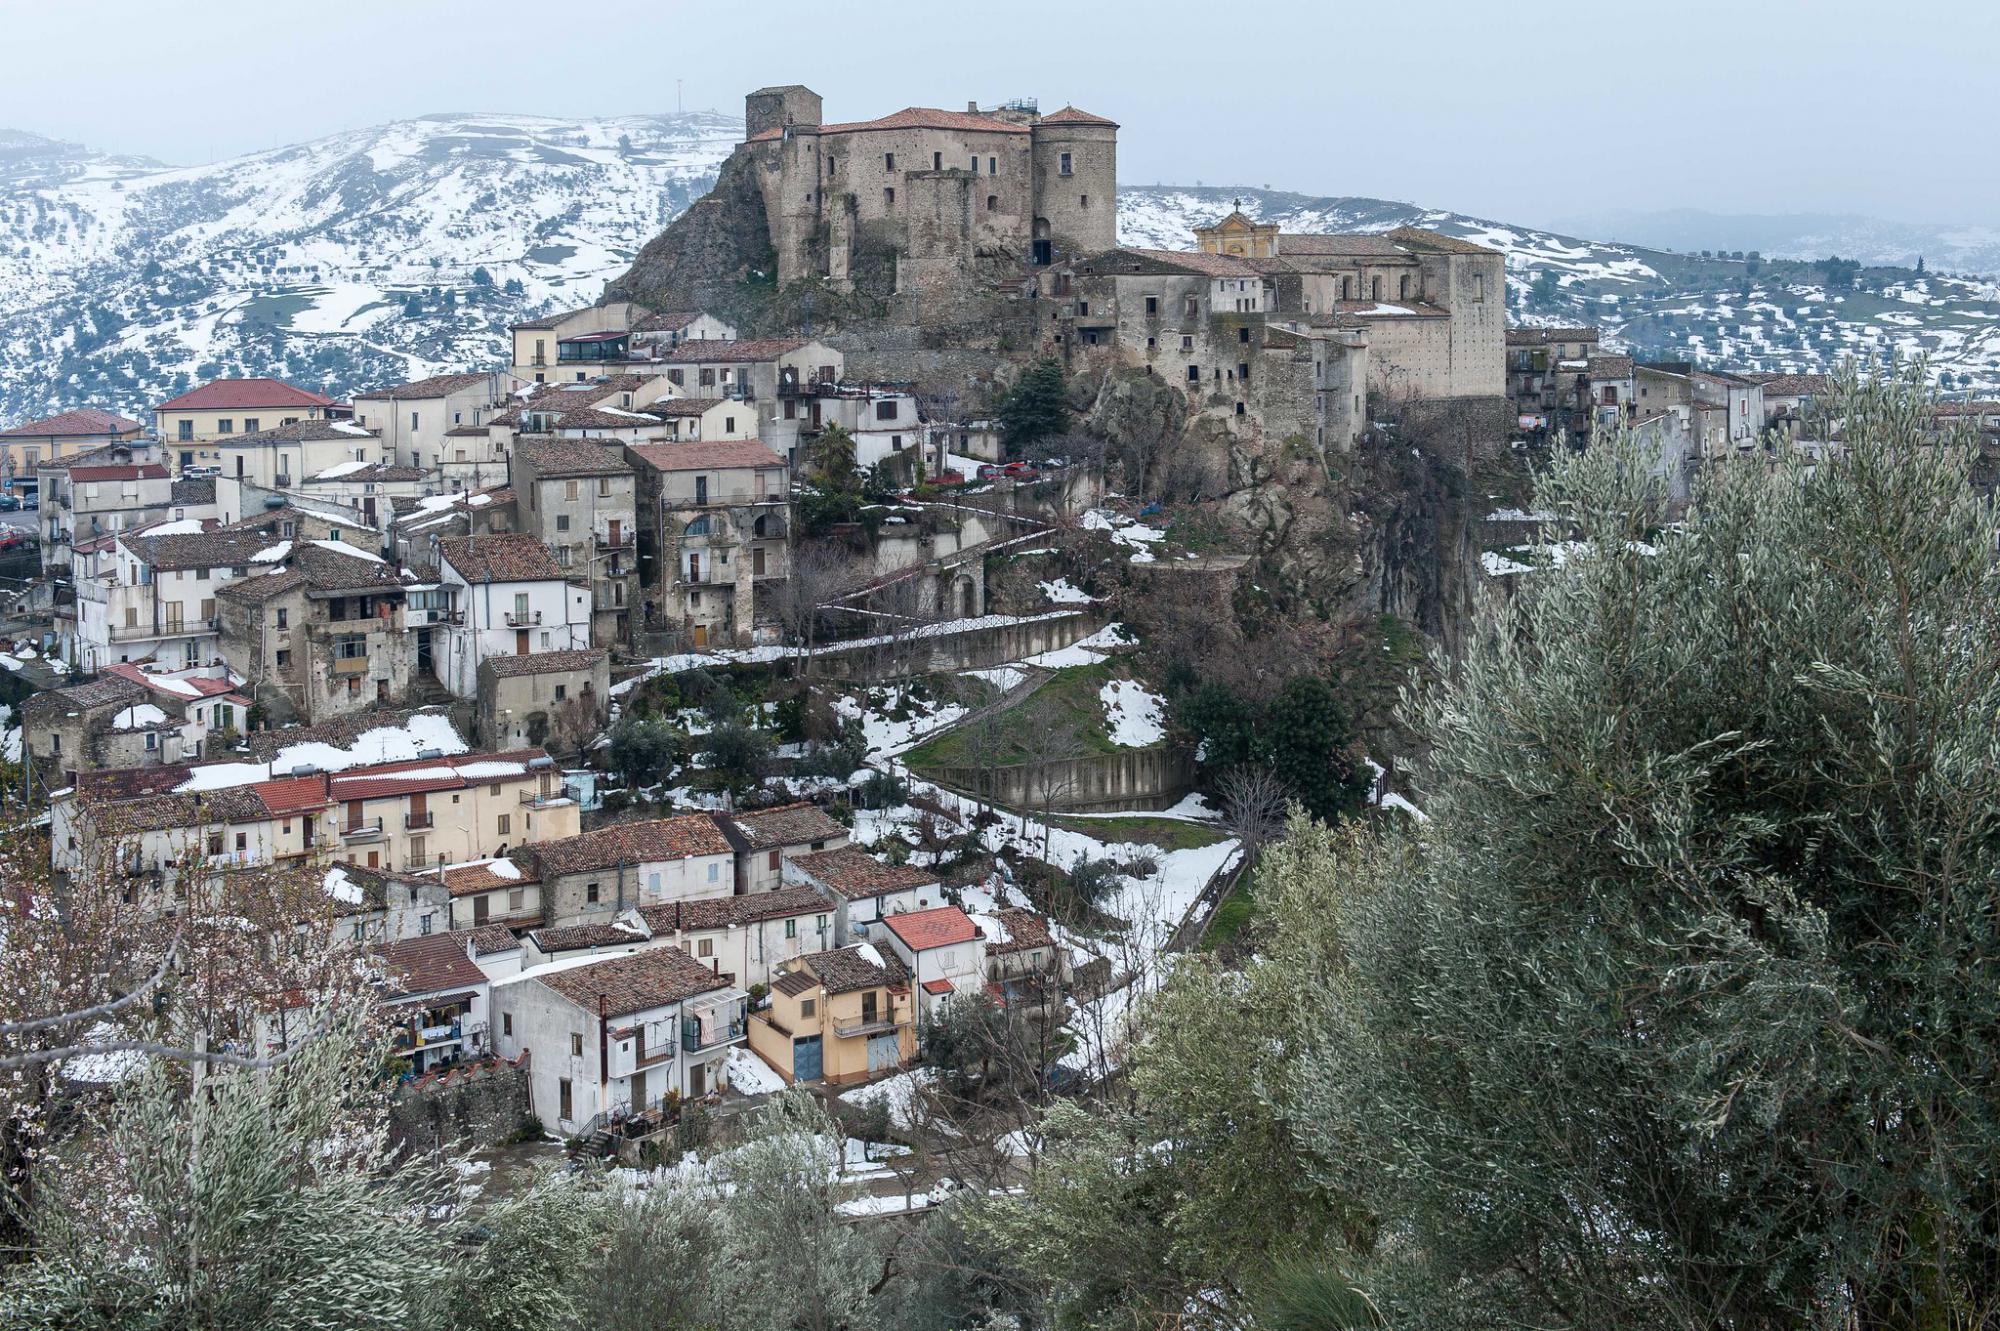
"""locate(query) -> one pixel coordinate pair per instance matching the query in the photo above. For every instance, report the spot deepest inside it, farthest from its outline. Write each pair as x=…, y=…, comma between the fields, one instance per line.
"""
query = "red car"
x=1022, y=471
x=990, y=472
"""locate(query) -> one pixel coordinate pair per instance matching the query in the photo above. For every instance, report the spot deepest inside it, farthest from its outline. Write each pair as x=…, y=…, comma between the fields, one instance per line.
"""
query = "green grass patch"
x=1230, y=917
x=1068, y=700
x=1163, y=833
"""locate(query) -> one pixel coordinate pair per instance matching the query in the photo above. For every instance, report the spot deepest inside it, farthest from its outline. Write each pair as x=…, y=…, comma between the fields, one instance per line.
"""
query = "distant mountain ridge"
x=405, y=249
x=1969, y=249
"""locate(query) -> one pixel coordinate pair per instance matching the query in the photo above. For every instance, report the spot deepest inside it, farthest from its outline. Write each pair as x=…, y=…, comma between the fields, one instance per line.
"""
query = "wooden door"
x=520, y=642
x=701, y=635
x=694, y=568
x=480, y=911
x=353, y=815
x=419, y=809
x=639, y=1104
x=613, y=533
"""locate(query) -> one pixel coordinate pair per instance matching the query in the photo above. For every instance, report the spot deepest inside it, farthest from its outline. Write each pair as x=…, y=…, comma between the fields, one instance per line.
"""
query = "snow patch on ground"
x=1134, y=716
x=748, y=1074
x=1061, y=591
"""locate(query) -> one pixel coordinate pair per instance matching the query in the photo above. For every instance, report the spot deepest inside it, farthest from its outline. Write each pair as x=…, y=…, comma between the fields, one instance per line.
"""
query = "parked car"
x=8, y=503
x=945, y=478
x=990, y=471
x=1021, y=471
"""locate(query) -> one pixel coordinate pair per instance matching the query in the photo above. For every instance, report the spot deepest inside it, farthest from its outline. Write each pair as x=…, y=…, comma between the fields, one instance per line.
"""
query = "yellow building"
x=224, y=407
x=1238, y=237
x=53, y=438
x=839, y=1016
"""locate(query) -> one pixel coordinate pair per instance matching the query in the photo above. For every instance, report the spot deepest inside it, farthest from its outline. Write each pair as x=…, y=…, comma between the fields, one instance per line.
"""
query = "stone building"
x=504, y=596
x=1545, y=371
x=937, y=189
x=576, y=497
x=555, y=698
x=713, y=521
x=773, y=379
x=326, y=636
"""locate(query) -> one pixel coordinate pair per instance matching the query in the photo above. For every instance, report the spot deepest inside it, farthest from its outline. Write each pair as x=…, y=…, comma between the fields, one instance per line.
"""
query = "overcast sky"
x=1518, y=112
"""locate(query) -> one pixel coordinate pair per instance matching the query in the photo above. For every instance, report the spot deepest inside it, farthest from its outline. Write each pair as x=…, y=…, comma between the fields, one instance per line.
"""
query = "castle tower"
x=775, y=108
x=1075, y=167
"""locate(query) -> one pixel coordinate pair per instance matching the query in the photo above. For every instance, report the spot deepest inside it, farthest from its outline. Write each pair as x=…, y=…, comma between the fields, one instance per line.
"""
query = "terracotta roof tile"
x=464, y=880
x=798, y=824
x=228, y=394
x=941, y=926
x=712, y=455
x=854, y=873
x=719, y=351
x=752, y=907
x=575, y=937
x=634, y=983
x=647, y=842
x=843, y=970
x=548, y=663
x=438, y=385
x=551, y=458
x=429, y=965
x=69, y=424
x=1070, y=115
x=1024, y=930
x=500, y=557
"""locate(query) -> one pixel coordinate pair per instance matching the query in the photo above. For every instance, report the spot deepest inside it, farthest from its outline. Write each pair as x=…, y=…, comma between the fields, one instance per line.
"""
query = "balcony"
x=520, y=619
x=282, y=482
x=713, y=1020
x=536, y=799
x=363, y=831
x=349, y=665
x=879, y=1026
x=614, y=540
x=417, y=822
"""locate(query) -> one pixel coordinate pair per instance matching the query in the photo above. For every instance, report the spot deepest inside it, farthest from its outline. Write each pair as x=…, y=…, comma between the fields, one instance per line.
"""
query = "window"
x=575, y=1046
x=888, y=161
x=791, y=928
x=1478, y=288
x=424, y=925
x=283, y=616
x=284, y=658
x=504, y=825
x=186, y=430
x=937, y=161
x=808, y=1007
x=516, y=898
x=1187, y=342
x=603, y=487
x=562, y=522
x=1194, y=374
x=507, y=1023
x=1064, y=167
x=566, y=1108
x=1403, y=287
x=714, y=872
x=569, y=489
x=992, y=166
x=1243, y=335
x=1083, y=201
x=993, y=203
x=225, y=426
x=413, y=420
x=152, y=740
x=250, y=425
x=590, y=891
x=889, y=196
x=729, y=422
x=1152, y=304
x=885, y=410
x=705, y=948
x=562, y=692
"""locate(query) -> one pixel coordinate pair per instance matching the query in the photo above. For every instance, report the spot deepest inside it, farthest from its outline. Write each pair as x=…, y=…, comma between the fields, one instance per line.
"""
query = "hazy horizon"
x=1726, y=109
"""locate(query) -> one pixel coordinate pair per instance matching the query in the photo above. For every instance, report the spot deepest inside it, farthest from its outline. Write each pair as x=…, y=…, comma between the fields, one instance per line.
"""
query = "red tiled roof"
x=1070, y=115
x=717, y=350
x=634, y=982
x=651, y=841
x=464, y=880
x=226, y=394
x=424, y=774
x=135, y=471
x=712, y=455
x=438, y=385
x=938, y=987
x=201, y=684
x=500, y=557
x=940, y=926
x=853, y=873
x=296, y=794
x=428, y=965
x=79, y=421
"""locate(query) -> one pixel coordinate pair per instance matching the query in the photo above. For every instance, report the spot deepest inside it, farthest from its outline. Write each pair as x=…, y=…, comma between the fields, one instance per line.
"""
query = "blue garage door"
x=807, y=1064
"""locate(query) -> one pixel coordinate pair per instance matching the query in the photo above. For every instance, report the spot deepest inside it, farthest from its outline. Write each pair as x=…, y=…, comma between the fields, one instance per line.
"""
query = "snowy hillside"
x=1772, y=315
x=332, y=263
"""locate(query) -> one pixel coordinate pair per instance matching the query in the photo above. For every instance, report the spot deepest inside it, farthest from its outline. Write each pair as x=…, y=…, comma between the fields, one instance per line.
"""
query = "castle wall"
x=1080, y=209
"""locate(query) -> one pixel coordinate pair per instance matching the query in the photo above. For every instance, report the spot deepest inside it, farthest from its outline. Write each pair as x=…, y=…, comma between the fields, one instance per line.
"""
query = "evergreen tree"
x=481, y=278
x=1683, y=1008
x=1038, y=406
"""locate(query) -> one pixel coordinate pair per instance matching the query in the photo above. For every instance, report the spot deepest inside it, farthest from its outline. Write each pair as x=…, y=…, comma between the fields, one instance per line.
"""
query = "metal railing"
x=523, y=619
x=413, y=822
x=363, y=831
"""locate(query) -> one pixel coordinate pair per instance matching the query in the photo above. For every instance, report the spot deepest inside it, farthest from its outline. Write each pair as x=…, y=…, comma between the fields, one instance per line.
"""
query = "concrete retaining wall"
x=1131, y=779
x=963, y=649
x=480, y=1104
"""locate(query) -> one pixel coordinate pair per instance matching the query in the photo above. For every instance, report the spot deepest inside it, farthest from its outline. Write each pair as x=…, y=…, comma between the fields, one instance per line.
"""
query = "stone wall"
x=478, y=1104
x=967, y=649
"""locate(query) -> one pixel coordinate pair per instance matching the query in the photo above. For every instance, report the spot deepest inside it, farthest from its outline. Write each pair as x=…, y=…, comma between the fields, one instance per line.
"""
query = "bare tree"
x=818, y=574
x=1050, y=755
x=1253, y=807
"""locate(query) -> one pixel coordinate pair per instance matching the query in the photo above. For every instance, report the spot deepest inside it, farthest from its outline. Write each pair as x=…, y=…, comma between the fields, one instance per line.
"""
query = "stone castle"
x=938, y=189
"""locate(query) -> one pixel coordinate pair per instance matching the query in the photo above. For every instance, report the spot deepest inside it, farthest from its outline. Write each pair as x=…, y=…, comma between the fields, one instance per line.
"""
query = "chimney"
x=972, y=108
